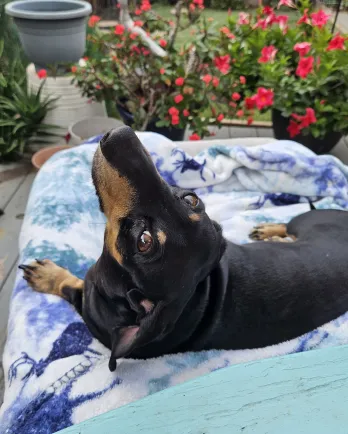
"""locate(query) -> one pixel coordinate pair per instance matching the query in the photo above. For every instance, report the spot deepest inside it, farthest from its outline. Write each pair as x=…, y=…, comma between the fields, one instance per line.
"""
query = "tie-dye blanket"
x=57, y=374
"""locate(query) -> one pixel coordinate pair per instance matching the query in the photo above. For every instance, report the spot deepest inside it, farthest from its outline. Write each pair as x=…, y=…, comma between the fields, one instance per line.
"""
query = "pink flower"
x=207, y=78
x=250, y=102
x=133, y=36
x=42, y=73
x=173, y=111
x=225, y=30
x=240, y=113
x=336, y=43
x=93, y=20
x=175, y=120
x=119, y=29
x=282, y=20
x=264, y=98
x=194, y=136
x=222, y=63
x=179, y=81
x=302, y=48
x=243, y=19
x=73, y=69
x=268, y=54
x=287, y=3
x=305, y=66
x=215, y=82
x=220, y=117
x=305, y=18
x=186, y=113
x=138, y=23
x=319, y=18
x=250, y=120
x=267, y=10
x=163, y=43
x=236, y=96
x=162, y=71
x=242, y=79
x=178, y=98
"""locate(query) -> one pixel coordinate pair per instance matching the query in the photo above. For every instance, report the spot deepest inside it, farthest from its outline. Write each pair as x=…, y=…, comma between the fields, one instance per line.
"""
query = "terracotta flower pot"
x=40, y=157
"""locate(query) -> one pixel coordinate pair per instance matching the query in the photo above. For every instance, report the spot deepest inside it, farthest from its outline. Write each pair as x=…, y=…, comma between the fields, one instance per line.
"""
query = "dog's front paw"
x=44, y=276
x=267, y=231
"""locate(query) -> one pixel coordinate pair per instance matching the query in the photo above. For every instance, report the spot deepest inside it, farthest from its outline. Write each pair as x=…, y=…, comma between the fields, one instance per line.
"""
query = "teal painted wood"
x=301, y=393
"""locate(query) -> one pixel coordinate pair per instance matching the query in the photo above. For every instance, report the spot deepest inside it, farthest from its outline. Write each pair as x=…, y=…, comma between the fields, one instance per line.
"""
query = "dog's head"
x=159, y=234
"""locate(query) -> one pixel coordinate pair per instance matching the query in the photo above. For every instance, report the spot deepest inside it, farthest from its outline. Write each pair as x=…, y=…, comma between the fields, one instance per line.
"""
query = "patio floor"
x=15, y=185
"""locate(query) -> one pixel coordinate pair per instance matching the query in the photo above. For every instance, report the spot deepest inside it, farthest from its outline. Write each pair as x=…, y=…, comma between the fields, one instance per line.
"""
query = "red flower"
x=262, y=23
x=135, y=49
x=207, y=79
x=192, y=7
x=85, y=58
x=264, y=98
x=243, y=19
x=145, y=5
x=236, y=96
x=133, y=36
x=232, y=104
x=305, y=66
x=42, y=73
x=336, y=43
x=119, y=29
x=267, y=10
x=268, y=54
x=162, y=71
x=138, y=11
x=323, y=101
x=250, y=102
x=222, y=63
x=194, y=136
x=173, y=111
x=215, y=82
x=178, y=98
x=145, y=51
x=163, y=43
x=302, y=48
x=175, y=120
x=306, y=120
x=319, y=18
x=242, y=79
x=73, y=69
x=179, y=81
x=138, y=23
x=240, y=113
x=305, y=18
x=220, y=117
x=186, y=113
x=293, y=129
x=213, y=97
x=93, y=20
x=250, y=120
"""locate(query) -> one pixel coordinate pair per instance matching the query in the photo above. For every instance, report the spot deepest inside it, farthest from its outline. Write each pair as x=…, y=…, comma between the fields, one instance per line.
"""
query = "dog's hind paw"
x=267, y=231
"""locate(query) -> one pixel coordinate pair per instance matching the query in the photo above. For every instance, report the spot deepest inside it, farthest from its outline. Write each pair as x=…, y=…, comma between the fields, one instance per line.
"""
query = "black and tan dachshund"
x=167, y=281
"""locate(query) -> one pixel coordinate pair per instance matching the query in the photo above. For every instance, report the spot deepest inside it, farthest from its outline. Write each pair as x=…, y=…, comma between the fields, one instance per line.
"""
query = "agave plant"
x=21, y=120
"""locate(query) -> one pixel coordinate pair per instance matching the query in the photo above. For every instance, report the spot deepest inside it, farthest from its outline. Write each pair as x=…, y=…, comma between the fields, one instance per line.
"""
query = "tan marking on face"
x=117, y=197
x=194, y=217
x=161, y=237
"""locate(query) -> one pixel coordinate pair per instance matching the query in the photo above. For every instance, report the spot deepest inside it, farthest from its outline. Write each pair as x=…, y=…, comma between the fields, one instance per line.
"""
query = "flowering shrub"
x=183, y=88
x=299, y=69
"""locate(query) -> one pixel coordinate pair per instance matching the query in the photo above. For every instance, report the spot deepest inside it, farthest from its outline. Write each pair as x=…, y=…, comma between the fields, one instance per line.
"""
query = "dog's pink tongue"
x=124, y=340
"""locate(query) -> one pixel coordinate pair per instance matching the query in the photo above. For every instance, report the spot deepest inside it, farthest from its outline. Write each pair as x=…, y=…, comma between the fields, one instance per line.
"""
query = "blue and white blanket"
x=56, y=373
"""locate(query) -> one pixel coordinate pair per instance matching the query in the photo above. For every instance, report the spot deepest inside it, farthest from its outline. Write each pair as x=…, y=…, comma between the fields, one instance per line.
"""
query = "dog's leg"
x=47, y=277
x=271, y=232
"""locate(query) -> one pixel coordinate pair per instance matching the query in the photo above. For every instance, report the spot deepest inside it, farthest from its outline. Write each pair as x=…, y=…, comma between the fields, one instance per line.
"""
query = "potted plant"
x=163, y=89
x=51, y=31
x=302, y=68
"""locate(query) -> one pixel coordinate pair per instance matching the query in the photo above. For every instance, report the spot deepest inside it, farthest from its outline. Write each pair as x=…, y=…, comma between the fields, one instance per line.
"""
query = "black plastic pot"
x=318, y=145
x=175, y=134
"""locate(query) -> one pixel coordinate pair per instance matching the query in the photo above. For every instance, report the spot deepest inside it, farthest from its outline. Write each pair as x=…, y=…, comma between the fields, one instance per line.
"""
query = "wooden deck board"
x=10, y=224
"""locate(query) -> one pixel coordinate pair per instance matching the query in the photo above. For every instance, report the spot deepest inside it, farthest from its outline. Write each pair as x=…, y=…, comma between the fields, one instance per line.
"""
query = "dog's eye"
x=145, y=242
x=192, y=200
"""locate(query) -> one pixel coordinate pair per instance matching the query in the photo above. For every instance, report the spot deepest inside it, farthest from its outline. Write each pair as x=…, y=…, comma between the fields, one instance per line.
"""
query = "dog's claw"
x=26, y=268
x=39, y=261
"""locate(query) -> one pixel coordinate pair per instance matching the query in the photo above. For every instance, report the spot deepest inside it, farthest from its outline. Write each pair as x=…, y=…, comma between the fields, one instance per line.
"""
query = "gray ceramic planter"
x=51, y=31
